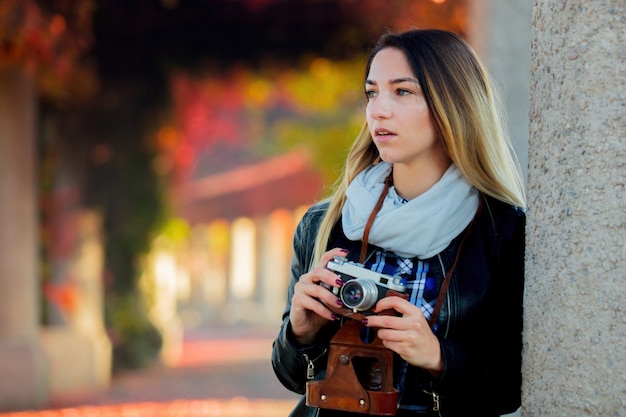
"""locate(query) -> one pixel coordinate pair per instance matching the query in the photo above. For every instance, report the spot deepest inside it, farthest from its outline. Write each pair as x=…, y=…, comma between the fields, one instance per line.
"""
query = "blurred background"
x=156, y=157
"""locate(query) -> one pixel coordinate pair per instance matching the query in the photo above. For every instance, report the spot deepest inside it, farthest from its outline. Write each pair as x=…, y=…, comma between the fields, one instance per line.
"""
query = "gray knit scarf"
x=421, y=227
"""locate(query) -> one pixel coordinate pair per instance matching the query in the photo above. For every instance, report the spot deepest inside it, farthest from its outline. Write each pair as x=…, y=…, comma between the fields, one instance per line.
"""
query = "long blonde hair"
x=466, y=113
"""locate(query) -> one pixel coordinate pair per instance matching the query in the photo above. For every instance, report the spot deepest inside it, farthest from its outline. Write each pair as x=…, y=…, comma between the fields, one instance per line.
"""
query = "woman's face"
x=397, y=113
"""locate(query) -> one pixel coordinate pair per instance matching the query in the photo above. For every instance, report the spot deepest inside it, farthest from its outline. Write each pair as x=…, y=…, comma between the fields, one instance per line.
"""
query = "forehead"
x=389, y=64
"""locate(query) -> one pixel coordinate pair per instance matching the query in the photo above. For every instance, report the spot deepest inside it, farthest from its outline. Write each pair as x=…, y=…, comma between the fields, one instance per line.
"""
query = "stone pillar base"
x=76, y=361
x=23, y=375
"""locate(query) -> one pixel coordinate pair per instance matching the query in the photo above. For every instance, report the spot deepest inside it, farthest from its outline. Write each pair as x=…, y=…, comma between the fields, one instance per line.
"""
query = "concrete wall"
x=575, y=301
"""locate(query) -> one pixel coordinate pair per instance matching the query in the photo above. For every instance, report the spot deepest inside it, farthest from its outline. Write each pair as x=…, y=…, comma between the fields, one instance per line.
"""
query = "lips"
x=382, y=133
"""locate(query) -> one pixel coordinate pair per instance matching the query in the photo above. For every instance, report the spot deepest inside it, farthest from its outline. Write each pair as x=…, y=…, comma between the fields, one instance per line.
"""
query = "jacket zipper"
x=435, y=396
x=310, y=367
x=443, y=270
x=436, y=402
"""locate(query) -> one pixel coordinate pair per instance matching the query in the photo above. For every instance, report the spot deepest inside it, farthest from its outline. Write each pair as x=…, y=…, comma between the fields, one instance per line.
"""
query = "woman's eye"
x=402, y=92
x=370, y=94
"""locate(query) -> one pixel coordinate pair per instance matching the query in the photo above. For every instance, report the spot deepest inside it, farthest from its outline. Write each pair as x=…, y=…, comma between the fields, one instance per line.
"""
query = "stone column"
x=275, y=261
x=575, y=301
x=22, y=367
x=242, y=305
x=499, y=31
x=76, y=346
x=215, y=277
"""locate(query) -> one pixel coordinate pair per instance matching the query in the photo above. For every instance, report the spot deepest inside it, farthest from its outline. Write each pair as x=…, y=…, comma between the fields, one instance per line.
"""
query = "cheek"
x=368, y=118
x=368, y=111
x=423, y=118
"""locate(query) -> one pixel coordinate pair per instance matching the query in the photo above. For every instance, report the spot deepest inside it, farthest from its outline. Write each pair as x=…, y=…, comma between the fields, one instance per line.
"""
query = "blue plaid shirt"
x=421, y=287
x=422, y=290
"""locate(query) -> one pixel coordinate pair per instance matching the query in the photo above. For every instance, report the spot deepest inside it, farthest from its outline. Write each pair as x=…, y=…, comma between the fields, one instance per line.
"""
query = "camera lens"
x=359, y=294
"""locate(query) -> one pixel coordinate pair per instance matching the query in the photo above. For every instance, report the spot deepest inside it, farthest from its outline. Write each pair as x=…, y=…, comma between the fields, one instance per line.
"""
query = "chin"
x=388, y=158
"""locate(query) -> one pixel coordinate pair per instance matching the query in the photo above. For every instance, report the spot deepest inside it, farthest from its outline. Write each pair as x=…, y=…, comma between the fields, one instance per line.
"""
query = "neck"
x=411, y=182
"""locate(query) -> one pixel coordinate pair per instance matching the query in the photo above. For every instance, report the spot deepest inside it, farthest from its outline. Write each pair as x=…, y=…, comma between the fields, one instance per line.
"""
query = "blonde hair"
x=466, y=113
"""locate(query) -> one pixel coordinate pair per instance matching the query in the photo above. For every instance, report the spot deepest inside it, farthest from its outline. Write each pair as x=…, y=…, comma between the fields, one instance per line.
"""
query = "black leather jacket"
x=479, y=326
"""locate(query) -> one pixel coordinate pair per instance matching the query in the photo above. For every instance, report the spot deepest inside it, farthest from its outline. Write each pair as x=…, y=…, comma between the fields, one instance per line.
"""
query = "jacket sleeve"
x=290, y=360
x=483, y=367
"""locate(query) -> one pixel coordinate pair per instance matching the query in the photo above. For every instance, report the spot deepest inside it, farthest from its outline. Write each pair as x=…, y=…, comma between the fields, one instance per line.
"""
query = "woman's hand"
x=409, y=335
x=308, y=312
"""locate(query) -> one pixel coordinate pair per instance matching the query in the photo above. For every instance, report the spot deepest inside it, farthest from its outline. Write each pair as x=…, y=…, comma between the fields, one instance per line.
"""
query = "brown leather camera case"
x=342, y=389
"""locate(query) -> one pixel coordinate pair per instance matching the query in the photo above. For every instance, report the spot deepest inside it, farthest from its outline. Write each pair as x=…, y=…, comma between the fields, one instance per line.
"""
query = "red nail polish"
x=346, y=251
x=364, y=322
x=339, y=303
x=339, y=282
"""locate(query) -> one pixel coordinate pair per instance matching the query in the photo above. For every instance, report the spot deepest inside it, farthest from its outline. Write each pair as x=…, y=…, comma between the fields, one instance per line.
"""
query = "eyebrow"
x=395, y=81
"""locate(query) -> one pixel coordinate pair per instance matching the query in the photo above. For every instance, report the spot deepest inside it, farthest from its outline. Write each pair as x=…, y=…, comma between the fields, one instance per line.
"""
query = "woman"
x=453, y=206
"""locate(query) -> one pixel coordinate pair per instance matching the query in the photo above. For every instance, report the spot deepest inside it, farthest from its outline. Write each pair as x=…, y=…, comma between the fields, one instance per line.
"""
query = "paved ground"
x=222, y=372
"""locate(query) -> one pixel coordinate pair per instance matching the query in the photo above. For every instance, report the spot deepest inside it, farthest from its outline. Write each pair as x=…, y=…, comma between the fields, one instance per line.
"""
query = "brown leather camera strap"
x=370, y=220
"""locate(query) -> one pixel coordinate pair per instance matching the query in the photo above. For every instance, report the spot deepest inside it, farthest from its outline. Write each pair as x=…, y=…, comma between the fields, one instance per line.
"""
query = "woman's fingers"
x=330, y=255
x=312, y=297
x=409, y=334
x=322, y=275
x=309, y=303
x=399, y=304
x=304, y=305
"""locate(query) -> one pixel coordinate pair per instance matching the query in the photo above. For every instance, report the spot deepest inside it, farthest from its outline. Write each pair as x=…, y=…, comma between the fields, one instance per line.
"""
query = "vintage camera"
x=359, y=375
x=363, y=288
x=359, y=372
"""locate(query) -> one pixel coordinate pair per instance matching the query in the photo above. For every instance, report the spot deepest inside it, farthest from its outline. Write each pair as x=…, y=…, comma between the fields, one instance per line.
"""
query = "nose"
x=379, y=108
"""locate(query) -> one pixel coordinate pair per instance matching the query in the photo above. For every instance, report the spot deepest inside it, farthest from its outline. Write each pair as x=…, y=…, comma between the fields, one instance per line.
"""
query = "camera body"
x=363, y=288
